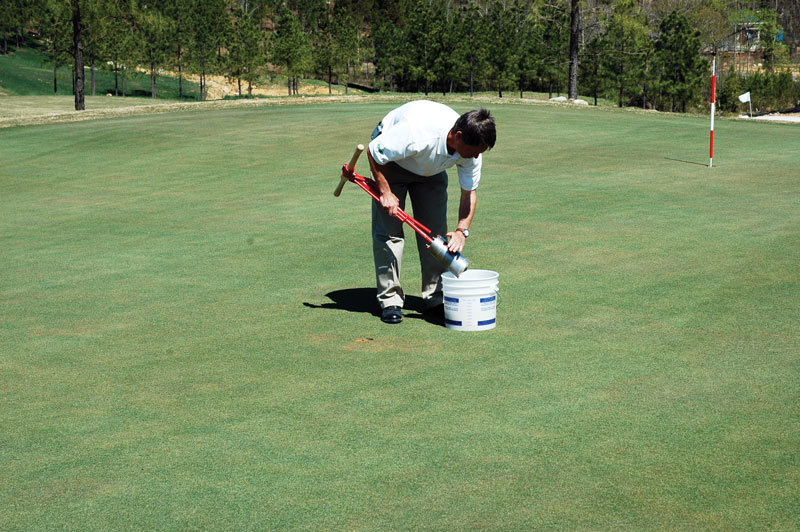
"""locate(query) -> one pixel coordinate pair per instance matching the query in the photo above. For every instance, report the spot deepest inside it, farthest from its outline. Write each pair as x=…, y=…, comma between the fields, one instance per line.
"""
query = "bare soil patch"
x=220, y=86
x=788, y=118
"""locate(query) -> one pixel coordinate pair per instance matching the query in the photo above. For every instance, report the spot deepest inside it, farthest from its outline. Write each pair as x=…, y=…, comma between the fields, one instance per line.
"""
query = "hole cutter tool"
x=456, y=263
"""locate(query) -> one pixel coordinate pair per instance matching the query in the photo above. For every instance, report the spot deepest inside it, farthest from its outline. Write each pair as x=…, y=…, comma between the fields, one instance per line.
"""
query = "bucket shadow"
x=363, y=300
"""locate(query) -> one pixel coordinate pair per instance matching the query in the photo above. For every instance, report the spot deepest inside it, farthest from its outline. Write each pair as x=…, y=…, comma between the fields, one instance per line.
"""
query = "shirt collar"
x=443, y=148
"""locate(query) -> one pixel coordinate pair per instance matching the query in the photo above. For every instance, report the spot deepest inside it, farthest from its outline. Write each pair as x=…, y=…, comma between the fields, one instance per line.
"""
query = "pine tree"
x=153, y=33
x=472, y=46
x=681, y=67
x=9, y=21
x=503, y=49
x=388, y=45
x=527, y=54
x=180, y=14
x=291, y=48
x=591, y=58
x=552, y=37
x=421, y=46
x=55, y=27
x=625, y=44
x=345, y=44
x=244, y=53
x=210, y=21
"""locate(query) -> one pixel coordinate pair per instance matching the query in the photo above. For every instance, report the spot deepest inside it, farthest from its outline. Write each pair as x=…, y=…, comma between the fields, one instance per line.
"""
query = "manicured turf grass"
x=188, y=338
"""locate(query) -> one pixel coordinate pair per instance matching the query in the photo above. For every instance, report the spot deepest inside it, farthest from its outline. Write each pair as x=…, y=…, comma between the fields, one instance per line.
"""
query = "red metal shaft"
x=370, y=187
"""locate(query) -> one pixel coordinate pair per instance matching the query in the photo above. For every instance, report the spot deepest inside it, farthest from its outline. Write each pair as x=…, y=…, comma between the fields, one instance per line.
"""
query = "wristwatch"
x=465, y=232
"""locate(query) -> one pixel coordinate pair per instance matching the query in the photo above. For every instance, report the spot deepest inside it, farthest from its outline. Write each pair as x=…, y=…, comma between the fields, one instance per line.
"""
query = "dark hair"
x=477, y=128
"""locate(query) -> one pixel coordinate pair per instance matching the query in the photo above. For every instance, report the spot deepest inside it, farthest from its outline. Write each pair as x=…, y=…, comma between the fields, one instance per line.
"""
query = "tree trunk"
x=239, y=80
x=55, y=80
x=471, y=81
x=77, y=48
x=180, y=75
x=289, y=80
x=574, y=35
x=153, y=80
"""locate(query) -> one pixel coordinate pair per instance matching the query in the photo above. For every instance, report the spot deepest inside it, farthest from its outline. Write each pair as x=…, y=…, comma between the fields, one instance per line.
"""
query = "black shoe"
x=391, y=315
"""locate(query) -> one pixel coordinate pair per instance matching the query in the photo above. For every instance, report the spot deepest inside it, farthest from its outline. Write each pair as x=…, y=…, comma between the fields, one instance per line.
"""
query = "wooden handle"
x=350, y=166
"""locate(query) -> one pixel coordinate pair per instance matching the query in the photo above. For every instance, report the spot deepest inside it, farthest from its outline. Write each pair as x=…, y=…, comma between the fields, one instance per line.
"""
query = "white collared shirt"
x=415, y=137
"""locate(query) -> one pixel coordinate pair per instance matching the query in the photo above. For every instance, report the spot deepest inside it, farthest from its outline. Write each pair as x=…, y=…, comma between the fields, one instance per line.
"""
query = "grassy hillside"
x=27, y=72
x=189, y=339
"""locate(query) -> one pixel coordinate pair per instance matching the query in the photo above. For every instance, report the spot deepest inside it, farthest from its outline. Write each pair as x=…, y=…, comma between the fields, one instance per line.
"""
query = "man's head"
x=474, y=133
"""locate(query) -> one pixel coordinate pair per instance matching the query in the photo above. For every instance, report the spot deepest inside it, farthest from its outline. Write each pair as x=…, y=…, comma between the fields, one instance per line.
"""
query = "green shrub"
x=774, y=91
x=730, y=88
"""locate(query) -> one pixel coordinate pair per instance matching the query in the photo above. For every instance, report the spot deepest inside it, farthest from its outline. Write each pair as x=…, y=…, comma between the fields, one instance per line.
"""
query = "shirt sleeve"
x=393, y=145
x=469, y=173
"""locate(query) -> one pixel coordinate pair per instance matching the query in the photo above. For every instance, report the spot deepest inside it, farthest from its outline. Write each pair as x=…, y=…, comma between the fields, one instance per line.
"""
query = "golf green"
x=189, y=339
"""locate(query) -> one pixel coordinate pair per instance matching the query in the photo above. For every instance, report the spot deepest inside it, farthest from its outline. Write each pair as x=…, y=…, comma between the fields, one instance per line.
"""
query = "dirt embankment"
x=219, y=86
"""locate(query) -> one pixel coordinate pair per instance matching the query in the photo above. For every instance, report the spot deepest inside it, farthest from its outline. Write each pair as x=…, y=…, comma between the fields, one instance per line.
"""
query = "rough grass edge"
x=167, y=107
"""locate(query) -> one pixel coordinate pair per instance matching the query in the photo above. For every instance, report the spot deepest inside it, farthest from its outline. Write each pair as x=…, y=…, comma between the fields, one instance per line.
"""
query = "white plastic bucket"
x=470, y=300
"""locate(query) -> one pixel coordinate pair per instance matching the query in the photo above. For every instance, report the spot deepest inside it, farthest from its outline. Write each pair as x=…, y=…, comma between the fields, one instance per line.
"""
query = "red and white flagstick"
x=713, y=104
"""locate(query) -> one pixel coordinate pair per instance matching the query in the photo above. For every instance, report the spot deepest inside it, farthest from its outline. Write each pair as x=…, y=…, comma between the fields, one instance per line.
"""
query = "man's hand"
x=457, y=241
x=390, y=203
x=466, y=210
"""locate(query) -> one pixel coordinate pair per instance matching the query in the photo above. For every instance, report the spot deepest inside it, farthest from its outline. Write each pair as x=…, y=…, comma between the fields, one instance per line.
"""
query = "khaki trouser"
x=429, y=202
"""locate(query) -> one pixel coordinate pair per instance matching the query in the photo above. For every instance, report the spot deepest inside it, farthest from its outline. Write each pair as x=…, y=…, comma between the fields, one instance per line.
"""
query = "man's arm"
x=389, y=201
x=466, y=211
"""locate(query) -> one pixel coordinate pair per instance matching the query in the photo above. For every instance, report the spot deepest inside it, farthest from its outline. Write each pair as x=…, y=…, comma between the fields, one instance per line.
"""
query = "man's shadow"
x=364, y=300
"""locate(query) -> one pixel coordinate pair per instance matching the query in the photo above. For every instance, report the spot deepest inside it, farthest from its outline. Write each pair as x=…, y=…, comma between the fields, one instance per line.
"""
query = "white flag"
x=744, y=97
